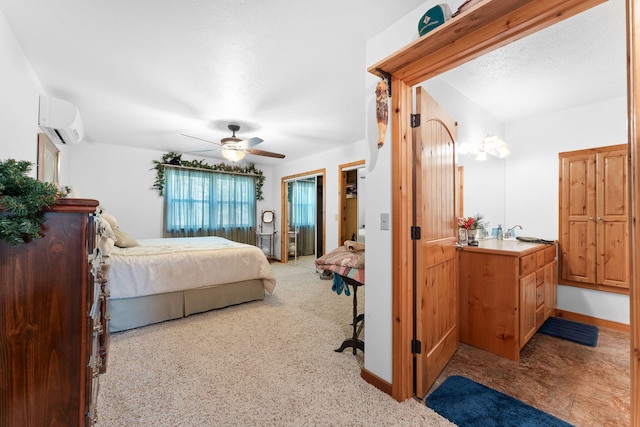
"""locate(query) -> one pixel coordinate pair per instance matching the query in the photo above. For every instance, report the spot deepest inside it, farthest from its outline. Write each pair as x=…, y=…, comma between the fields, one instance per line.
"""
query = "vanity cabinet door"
x=528, y=305
x=550, y=281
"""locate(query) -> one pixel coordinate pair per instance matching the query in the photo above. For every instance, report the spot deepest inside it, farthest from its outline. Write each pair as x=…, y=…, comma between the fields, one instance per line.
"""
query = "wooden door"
x=577, y=217
x=594, y=227
x=528, y=307
x=612, y=258
x=436, y=303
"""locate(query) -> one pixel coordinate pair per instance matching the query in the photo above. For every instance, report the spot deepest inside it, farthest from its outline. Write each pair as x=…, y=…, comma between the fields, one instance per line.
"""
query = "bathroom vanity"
x=507, y=291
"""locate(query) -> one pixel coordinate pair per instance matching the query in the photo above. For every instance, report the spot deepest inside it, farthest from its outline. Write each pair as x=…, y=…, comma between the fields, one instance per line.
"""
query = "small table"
x=358, y=320
x=348, y=265
x=269, y=238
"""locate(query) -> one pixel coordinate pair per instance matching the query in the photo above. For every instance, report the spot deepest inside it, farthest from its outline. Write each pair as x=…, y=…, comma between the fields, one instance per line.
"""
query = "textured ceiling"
x=143, y=72
x=579, y=61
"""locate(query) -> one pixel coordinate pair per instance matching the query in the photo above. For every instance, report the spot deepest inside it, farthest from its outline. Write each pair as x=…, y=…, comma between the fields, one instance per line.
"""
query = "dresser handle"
x=97, y=328
x=94, y=417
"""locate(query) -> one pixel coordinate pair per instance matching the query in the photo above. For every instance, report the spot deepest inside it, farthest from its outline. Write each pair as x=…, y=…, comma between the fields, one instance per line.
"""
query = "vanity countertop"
x=505, y=247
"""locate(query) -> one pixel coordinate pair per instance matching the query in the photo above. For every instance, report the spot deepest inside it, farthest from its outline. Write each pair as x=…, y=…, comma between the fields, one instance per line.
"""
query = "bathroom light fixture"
x=490, y=145
x=233, y=155
x=481, y=156
x=495, y=146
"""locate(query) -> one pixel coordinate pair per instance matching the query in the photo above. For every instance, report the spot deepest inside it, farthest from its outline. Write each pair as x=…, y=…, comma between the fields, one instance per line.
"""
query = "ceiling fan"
x=234, y=148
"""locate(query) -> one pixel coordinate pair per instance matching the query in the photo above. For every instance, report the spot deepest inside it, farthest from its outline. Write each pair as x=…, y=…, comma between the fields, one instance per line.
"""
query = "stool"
x=358, y=320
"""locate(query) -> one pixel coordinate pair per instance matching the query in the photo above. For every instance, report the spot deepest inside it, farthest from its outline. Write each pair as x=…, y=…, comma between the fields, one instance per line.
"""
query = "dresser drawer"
x=528, y=264
x=549, y=254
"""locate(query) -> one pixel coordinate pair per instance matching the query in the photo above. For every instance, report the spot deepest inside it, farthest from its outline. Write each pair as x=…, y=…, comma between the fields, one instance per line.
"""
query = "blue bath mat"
x=467, y=403
x=569, y=330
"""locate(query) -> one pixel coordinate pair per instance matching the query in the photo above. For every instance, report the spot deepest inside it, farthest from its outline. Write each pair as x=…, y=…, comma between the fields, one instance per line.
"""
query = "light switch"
x=384, y=221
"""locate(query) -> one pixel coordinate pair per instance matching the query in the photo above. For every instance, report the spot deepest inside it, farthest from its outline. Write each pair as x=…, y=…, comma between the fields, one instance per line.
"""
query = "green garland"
x=22, y=202
x=172, y=158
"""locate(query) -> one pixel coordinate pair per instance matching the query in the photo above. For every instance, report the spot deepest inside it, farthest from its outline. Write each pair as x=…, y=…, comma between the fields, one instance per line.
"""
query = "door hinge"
x=415, y=120
x=416, y=347
x=415, y=232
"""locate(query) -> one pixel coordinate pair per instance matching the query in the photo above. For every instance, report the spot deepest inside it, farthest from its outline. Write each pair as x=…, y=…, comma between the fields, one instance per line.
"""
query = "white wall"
x=328, y=160
x=121, y=178
x=378, y=268
x=532, y=184
x=20, y=89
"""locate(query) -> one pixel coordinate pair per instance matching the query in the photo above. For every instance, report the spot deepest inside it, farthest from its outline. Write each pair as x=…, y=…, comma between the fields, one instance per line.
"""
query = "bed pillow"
x=110, y=219
x=123, y=240
x=106, y=229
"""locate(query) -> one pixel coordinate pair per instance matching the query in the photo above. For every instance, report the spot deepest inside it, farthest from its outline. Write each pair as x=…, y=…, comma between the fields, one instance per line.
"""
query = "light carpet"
x=266, y=363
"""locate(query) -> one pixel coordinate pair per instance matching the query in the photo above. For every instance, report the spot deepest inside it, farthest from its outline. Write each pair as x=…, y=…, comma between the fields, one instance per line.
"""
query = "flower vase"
x=472, y=236
x=462, y=236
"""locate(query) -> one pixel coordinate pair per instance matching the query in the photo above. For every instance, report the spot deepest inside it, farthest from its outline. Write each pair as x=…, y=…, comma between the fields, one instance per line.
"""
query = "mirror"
x=48, y=160
x=267, y=217
x=303, y=221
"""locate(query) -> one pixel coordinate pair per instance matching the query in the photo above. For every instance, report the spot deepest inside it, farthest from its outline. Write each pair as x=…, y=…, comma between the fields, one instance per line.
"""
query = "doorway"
x=352, y=180
x=471, y=35
x=303, y=222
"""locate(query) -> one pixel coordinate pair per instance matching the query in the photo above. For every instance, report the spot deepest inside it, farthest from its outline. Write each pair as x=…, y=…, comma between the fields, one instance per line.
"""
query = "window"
x=207, y=203
x=303, y=203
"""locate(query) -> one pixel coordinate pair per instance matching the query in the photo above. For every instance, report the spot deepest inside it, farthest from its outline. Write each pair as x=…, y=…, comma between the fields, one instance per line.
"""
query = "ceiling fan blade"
x=195, y=137
x=201, y=151
x=265, y=153
x=248, y=143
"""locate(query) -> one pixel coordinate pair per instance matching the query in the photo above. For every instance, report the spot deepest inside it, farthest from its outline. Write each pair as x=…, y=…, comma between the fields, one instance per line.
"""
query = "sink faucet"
x=507, y=235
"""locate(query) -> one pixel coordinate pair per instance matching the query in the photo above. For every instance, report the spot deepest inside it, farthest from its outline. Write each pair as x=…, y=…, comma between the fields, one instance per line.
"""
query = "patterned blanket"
x=343, y=262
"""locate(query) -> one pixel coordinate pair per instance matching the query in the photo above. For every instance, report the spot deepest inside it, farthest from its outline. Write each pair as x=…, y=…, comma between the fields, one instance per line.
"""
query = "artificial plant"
x=23, y=200
x=172, y=158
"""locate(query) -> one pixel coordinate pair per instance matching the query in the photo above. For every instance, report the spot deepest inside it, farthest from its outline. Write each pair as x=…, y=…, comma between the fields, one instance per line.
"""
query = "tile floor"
x=585, y=386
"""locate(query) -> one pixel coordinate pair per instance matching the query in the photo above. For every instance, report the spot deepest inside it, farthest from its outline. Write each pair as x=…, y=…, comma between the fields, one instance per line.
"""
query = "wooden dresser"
x=507, y=291
x=53, y=336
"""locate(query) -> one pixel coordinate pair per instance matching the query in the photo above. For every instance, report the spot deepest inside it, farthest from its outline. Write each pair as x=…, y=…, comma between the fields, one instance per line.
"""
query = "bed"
x=155, y=280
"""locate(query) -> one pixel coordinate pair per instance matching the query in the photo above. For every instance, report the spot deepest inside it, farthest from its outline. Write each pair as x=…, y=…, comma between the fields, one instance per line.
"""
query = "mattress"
x=159, y=266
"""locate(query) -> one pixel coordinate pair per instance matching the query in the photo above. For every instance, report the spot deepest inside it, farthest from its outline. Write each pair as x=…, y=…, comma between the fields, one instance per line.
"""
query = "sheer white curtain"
x=302, y=198
x=207, y=203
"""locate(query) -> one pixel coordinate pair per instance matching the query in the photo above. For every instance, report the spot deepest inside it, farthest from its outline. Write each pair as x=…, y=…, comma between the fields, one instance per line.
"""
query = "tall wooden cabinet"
x=53, y=339
x=593, y=218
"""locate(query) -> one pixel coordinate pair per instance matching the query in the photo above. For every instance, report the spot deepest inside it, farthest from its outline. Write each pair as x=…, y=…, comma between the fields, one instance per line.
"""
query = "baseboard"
x=594, y=321
x=375, y=381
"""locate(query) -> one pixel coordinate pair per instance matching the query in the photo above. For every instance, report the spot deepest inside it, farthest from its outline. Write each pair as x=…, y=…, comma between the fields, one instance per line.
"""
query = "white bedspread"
x=176, y=264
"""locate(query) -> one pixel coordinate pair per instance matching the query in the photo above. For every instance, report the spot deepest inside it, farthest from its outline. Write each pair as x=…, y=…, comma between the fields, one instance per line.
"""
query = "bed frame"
x=129, y=313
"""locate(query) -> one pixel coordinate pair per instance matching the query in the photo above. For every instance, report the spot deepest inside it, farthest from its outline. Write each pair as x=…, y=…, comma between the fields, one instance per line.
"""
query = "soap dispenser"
x=500, y=234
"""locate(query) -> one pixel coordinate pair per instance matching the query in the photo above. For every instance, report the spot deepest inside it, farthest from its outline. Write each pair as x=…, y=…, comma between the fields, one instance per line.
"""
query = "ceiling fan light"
x=233, y=155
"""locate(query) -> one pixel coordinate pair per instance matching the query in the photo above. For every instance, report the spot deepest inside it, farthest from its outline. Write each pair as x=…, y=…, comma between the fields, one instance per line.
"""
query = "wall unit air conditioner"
x=60, y=120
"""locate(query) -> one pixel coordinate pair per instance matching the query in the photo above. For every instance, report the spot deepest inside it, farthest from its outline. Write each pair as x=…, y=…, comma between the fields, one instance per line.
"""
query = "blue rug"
x=467, y=403
x=569, y=330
